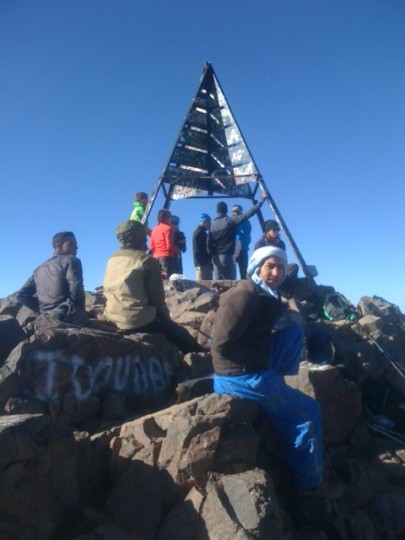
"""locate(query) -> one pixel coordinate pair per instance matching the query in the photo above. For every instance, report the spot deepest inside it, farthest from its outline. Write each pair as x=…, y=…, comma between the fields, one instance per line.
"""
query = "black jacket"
x=58, y=279
x=221, y=238
x=243, y=329
x=200, y=251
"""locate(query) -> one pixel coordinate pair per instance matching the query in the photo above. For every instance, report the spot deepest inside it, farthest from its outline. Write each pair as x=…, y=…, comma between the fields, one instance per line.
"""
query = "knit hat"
x=237, y=208
x=204, y=217
x=222, y=208
x=131, y=234
x=271, y=224
x=175, y=219
x=260, y=255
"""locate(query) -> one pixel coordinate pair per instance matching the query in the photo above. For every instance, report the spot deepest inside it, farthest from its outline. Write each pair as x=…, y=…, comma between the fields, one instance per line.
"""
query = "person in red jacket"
x=162, y=243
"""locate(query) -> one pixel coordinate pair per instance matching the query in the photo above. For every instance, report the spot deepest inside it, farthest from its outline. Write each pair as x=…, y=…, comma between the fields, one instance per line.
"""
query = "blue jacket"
x=243, y=234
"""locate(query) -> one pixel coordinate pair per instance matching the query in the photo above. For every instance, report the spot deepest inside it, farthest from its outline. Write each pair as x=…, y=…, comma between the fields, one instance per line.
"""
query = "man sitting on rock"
x=252, y=352
x=134, y=292
x=57, y=284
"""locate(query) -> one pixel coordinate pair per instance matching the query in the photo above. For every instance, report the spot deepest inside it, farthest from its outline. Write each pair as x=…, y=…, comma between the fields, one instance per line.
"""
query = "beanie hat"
x=271, y=224
x=175, y=219
x=260, y=255
x=237, y=208
x=222, y=208
x=131, y=234
x=204, y=217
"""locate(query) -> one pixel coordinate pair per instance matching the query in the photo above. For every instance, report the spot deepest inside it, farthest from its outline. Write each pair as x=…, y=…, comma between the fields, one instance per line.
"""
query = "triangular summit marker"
x=211, y=158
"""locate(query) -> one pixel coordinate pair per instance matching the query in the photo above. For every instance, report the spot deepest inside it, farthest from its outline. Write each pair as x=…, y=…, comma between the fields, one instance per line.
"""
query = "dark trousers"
x=174, y=333
x=168, y=265
x=242, y=261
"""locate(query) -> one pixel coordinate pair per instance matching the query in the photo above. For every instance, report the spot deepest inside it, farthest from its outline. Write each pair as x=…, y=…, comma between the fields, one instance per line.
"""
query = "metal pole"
x=286, y=231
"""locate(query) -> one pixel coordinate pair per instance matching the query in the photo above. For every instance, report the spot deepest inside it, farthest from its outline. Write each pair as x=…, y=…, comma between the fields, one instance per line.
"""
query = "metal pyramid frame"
x=211, y=159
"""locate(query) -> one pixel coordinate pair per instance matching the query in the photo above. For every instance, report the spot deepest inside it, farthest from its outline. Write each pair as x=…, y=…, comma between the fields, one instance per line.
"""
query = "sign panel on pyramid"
x=210, y=155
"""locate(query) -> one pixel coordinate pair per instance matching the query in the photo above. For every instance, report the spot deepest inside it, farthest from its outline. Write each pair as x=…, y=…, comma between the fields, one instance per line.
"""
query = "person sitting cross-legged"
x=134, y=293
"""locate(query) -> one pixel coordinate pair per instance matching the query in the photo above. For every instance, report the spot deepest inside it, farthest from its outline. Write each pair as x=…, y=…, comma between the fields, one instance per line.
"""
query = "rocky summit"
x=112, y=437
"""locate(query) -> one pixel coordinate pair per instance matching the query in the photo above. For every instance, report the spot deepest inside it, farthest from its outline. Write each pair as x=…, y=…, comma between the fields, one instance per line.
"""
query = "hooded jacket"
x=137, y=212
x=133, y=289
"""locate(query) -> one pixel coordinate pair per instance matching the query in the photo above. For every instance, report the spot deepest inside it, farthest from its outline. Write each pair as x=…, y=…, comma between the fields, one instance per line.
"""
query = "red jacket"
x=162, y=241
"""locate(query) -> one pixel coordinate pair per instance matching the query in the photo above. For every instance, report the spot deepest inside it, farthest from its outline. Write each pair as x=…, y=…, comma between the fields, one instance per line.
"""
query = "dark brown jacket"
x=243, y=329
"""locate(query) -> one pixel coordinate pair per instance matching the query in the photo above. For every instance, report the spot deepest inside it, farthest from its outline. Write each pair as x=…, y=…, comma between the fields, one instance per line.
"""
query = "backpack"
x=336, y=307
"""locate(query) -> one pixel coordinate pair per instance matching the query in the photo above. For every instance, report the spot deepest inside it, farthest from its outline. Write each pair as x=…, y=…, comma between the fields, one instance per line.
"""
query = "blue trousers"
x=295, y=416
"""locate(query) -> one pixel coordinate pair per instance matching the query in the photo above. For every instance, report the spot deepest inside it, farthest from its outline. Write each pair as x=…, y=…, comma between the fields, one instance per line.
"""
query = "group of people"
x=167, y=241
x=220, y=246
x=253, y=346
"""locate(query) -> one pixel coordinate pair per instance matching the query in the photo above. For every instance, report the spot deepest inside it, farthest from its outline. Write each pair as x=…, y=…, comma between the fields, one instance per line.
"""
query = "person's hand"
x=264, y=195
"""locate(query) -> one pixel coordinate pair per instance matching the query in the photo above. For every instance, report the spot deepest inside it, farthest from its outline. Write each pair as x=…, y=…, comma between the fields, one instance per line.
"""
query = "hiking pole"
x=398, y=368
x=387, y=432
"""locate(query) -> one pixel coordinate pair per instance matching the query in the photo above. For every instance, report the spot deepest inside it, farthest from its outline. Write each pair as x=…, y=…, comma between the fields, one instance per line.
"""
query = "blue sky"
x=94, y=92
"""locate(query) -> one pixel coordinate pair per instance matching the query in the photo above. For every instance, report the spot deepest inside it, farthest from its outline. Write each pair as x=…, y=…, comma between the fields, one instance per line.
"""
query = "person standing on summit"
x=222, y=236
x=271, y=236
x=202, y=259
x=243, y=234
x=140, y=204
x=162, y=243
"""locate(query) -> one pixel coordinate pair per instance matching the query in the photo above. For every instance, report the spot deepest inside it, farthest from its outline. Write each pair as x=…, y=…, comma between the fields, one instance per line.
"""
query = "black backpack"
x=336, y=307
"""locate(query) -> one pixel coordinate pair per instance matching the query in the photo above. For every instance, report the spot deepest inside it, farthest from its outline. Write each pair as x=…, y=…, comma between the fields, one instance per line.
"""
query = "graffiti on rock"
x=55, y=372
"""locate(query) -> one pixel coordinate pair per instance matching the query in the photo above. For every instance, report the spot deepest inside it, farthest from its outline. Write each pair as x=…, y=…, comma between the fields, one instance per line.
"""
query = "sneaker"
x=325, y=490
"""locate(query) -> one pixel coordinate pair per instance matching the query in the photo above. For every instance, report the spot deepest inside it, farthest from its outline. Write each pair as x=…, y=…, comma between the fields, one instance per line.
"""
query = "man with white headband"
x=251, y=356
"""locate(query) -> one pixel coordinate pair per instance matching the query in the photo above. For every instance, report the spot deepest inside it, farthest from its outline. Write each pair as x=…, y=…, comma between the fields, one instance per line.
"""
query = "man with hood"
x=134, y=292
x=252, y=351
